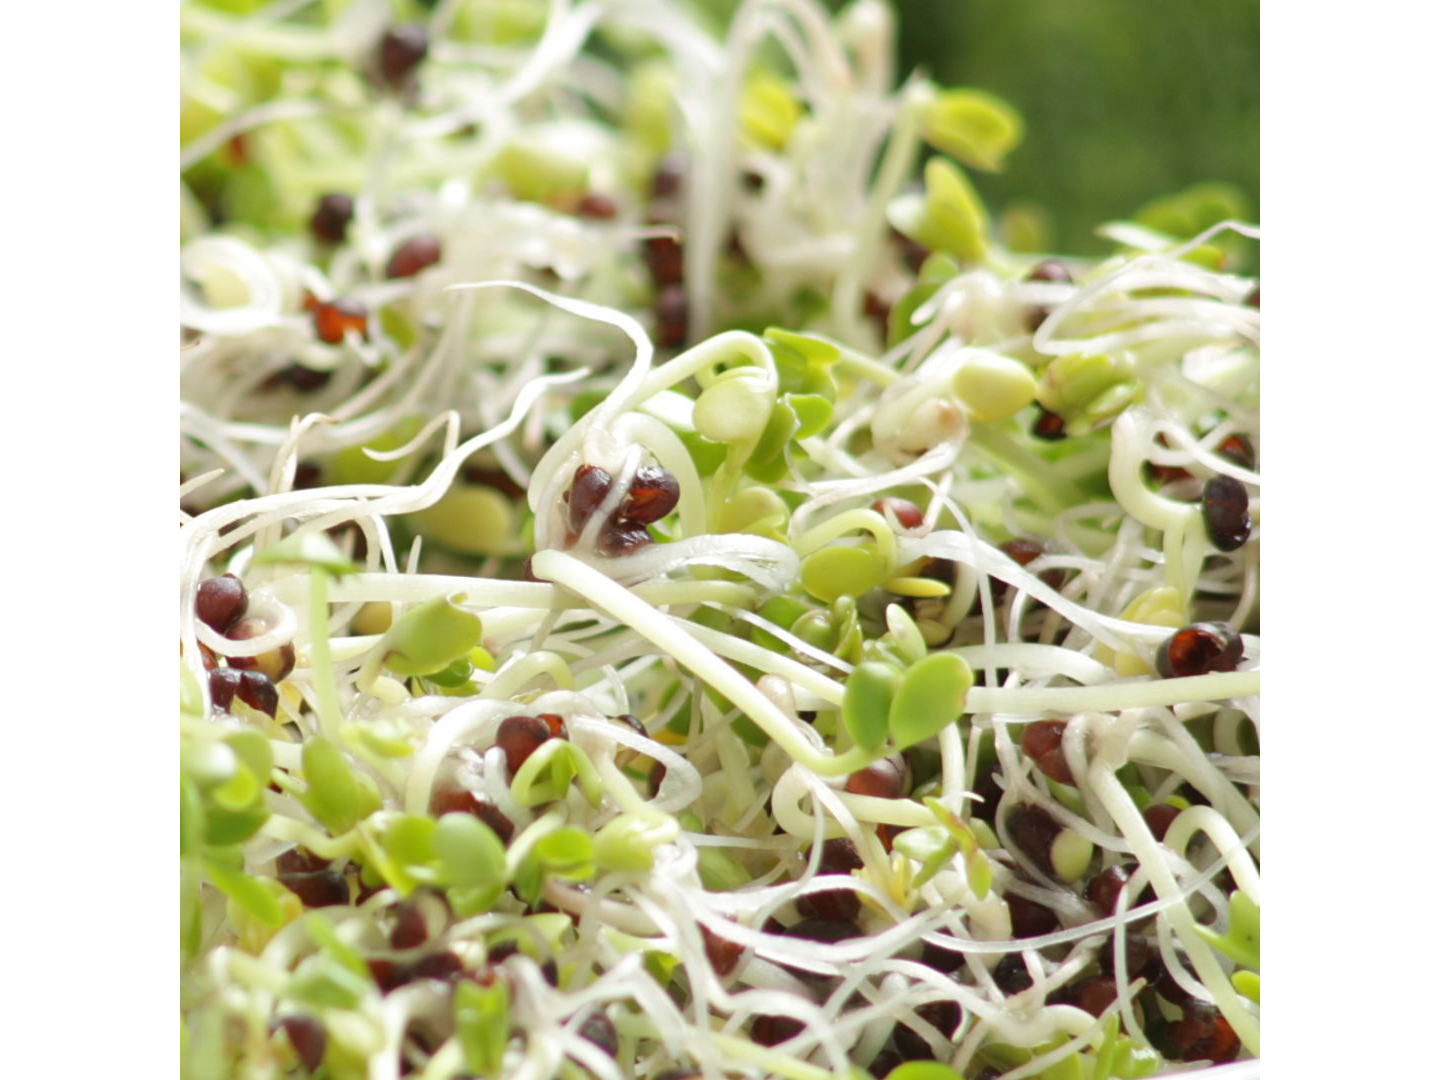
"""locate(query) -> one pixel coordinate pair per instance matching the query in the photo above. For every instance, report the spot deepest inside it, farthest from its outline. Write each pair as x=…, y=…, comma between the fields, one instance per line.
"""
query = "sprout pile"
x=667, y=592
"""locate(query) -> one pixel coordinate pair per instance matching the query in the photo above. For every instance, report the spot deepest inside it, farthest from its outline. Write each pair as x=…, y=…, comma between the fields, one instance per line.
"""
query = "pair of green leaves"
x=934, y=846
x=482, y=1024
x=1088, y=390
x=1117, y=1058
x=806, y=399
x=949, y=217
x=628, y=842
x=567, y=853
x=432, y=639
x=906, y=706
x=337, y=797
x=1241, y=942
x=222, y=788
x=547, y=774
x=971, y=126
x=335, y=976
x=458, y=852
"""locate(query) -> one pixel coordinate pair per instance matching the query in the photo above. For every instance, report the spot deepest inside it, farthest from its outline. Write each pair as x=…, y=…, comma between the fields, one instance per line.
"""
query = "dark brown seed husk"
x=1226, y=508
x=275, y=664
x=774, y=1030
x=652, y=494
x=1033, y=831
x=600, y=1030
x=414, y=255
x=1042, y=743
x=332, y=217
x=1199, y=649
x=519, y=737
x=1011, y=975
x=220, y=602
x=323, y=889
x=257, y=691
x=1029, y=919
x=944, y=1016
x=402, y=50
x=332, y=320
x=306, y=1037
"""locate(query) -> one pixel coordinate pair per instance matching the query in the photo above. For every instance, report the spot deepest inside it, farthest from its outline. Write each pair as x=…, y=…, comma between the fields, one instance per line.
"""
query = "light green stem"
x=623, y=605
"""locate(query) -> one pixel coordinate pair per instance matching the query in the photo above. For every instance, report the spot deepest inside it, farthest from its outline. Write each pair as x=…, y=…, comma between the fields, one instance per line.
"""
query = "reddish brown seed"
x=332, y=217
x=668, y=177
x=837, y=856
x=1239, y=449
x=828, y=931
x=1011, y=975
x=519, y=737
x=912, y=252
x=944, y=1016
x=618, y=539
x=307, y=475
x=1048, y=426
x=1024, y=551
x=1033, y=831
x=1226, y=506
x=306, y=1037
x=1199, y=649
x=597, y=207
x=987, y=786
x=276, y=663
x=323, y=889
x=877, y=309
x=653, y=493
x=1204, y=1035
x=672, y=317
x=223, y=684
x=412, y=256
x=1254, y=298
x=1051, y=270
x=300, y=860
x=906, y=512
x=444, y=966
x=587, y=491
x=1029, y=919
x=401, y=51
x=600, y=1030
x=1105, y=888
x=1042, y=744
x=410, y=927
x=257, y=691
x=461, y=800
x=298, y=377
x=884, y=1063
x=722, y=953
x=665, y=256
x=208, y=660
x=1159, y=816
x=942, y=960
x=886, y=835
x=335, y=318
x=1095, y=994
x=556, y=723
x=774, y=1030
x=633, y=723
x=883, y=779
x=389, y=974
x=1141, y=959
x=220, y=602
x=655, y=778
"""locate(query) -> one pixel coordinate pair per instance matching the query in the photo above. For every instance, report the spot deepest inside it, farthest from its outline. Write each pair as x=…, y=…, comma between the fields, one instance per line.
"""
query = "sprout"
x=620, y=671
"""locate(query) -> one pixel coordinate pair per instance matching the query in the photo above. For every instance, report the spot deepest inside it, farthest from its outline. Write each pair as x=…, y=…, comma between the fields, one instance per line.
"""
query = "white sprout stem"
x=1113, y=697
x=667, y=636
x=1127, y=816
x=757, y=656
x=1227, y=841
x=327, y=698
x=512, y=678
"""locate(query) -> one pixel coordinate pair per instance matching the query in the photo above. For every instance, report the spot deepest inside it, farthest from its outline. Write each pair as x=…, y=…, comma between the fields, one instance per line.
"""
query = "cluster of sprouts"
x=865, y=684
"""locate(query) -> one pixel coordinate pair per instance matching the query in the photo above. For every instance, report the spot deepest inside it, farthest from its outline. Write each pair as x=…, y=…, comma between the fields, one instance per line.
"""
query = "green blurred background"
x=1124, y=100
